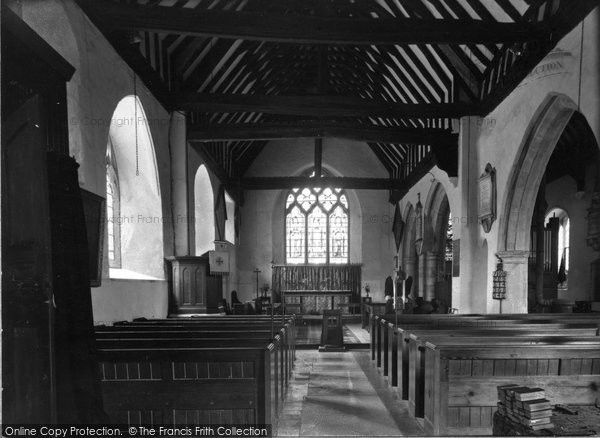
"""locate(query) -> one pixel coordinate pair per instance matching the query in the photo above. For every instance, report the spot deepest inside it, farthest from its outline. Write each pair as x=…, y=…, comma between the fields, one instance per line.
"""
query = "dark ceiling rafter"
x=309, y=30
x=326, y=106
x=317, y=129
x=512, y=65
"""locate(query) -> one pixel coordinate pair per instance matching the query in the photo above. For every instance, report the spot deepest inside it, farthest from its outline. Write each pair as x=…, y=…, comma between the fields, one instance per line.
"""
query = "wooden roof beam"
x=567, y=17
x=290, y=182
x=305, y=29
x=354, y=131
x=324, y=106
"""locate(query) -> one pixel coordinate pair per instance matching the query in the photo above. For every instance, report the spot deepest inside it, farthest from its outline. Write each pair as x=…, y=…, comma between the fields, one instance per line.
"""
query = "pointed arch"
x=408, y=240
x=535, y=151
x=437, y=210
x=131, y=165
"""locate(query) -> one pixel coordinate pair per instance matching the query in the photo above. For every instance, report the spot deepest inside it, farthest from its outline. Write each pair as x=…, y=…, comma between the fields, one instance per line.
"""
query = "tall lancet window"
x=316, y=226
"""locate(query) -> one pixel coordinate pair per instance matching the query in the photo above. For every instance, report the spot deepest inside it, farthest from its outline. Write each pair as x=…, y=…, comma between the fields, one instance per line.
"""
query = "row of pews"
x=231, y=370
x=448, y=366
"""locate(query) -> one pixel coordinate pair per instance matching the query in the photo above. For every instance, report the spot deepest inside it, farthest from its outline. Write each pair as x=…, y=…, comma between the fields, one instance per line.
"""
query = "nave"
x=191, y=188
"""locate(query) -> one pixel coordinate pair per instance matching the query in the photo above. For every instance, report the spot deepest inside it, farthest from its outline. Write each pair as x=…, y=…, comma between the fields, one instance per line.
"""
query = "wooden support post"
x=318, y=157
x=540, y=211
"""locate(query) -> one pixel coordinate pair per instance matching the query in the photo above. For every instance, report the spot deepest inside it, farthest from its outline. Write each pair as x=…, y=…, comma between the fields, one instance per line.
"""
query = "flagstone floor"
x=342, y=394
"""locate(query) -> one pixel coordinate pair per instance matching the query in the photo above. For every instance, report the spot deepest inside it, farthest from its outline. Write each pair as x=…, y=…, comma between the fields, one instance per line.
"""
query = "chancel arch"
x=134, y=205
x=204, y=212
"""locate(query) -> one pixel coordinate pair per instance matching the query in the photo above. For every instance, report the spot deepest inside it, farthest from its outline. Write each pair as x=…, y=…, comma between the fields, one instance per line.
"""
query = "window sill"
x=125, y=274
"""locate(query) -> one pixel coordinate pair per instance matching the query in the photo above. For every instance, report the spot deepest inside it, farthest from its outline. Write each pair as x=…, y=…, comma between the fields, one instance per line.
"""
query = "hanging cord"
x=135, y=123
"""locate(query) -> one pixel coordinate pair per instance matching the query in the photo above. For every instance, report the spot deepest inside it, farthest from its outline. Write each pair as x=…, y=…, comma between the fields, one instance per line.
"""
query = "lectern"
x=332, y=334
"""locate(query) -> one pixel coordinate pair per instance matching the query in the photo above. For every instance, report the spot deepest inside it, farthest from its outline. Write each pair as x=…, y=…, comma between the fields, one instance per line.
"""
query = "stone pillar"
x=431, y=268
x=422, y=275
x=516, y=265
x=408, y=264
x=181, y=215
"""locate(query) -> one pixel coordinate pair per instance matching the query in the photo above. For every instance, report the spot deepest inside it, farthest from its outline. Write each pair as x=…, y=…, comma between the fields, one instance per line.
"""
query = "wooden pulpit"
x=192, y=289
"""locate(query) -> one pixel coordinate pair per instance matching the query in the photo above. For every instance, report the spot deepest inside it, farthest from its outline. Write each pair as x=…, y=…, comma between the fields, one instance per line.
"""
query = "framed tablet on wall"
x=487, y=198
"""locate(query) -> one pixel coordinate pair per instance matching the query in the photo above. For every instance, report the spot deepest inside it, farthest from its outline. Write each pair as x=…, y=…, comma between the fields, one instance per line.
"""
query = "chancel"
x=301, y=217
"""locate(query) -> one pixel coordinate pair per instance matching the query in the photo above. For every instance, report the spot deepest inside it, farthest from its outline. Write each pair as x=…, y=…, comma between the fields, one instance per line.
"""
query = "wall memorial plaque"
x=94, y=212
x=487, y=198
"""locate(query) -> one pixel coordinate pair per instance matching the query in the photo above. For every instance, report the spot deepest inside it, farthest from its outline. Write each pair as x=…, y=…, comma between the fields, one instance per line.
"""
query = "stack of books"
x=526, y=406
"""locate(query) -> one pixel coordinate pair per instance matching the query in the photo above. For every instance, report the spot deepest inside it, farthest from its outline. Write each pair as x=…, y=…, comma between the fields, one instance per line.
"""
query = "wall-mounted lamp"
x=499, y=281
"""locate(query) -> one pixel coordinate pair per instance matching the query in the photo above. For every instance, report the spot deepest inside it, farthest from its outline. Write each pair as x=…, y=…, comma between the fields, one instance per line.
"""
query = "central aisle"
x=340, y=394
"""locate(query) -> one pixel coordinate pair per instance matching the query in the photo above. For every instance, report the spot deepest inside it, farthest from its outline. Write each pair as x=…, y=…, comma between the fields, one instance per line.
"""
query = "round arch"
x=204, y=212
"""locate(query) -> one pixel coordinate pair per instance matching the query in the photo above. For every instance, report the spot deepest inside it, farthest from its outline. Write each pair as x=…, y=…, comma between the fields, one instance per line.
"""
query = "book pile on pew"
x=526, y=406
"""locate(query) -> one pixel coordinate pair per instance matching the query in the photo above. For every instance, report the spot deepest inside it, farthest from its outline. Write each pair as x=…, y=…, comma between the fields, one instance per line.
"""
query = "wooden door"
x=27, y=303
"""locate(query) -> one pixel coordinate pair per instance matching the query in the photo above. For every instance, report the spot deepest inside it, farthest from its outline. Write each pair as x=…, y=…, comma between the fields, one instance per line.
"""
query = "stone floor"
x=308, y=333
x=341, y=394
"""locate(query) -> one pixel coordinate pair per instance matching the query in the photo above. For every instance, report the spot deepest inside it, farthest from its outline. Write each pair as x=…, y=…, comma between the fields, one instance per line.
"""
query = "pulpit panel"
x=192, y=288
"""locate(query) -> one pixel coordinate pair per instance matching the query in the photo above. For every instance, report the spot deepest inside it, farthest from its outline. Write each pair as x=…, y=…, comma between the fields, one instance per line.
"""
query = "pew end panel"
x=182, y=386
x=460, y=382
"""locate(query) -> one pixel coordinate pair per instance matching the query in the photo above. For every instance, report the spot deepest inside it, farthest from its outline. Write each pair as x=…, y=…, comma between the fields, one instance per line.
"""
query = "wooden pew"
x=130, y=352
x=397, y=348
x=405, y=376
x=416, y=381
x=148, y=341
x=280, y=373
x=220, y=323
x=187, y=385
x=379, y=323
x=461, y=380
x=382, y=339
x=192, y=332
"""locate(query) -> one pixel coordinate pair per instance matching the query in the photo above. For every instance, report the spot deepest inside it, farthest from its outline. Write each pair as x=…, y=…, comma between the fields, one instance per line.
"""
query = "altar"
x=314, y=288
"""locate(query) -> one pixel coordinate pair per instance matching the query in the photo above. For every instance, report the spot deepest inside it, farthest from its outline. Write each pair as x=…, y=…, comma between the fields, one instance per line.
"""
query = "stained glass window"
x=338, y=236
x=449, y=237
x=316, y=226
x=295, y=224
